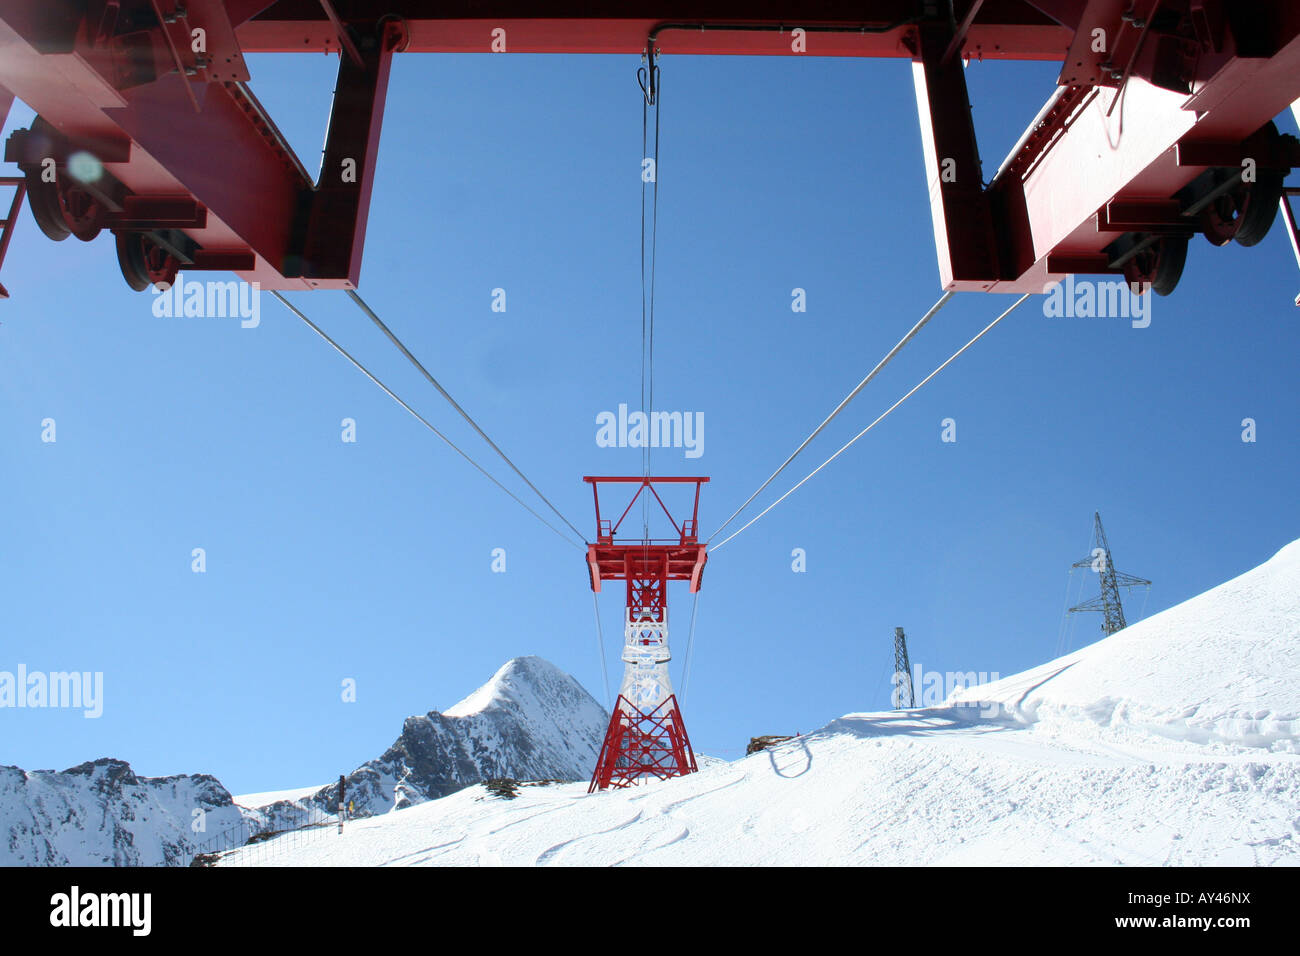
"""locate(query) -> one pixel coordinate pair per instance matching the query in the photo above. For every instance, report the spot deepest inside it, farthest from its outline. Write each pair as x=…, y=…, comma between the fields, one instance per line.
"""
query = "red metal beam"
x=963, y=28
x=1071, y=182
x=345, y=40
x=677, y=559
x=638, y=479
x=963, y=223
x=118, y=83
x=340, y=204
x=1009, y=29
x=228, y=157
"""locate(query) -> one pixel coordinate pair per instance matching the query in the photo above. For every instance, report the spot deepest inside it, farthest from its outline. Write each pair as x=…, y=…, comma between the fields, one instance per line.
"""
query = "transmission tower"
x=1107, y=601
x=904, y=692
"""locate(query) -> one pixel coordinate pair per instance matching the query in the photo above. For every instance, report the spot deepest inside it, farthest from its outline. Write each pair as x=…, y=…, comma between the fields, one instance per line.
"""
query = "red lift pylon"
x=646, y=737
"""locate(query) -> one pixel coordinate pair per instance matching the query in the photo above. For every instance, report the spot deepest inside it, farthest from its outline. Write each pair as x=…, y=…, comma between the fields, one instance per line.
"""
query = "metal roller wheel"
x=63, y=207
x=43, y=200
x=1247, y=211
x=144, y=262
x=1160, y=264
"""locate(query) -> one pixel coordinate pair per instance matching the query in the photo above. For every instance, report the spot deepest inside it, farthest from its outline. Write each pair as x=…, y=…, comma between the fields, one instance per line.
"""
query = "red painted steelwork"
x=125, y=81
x=19, y=185
x=645, y=739
x=638, y=745
x=684, y=556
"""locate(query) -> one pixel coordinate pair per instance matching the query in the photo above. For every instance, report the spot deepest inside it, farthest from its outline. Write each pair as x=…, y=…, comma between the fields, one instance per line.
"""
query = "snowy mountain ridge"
x=529, y=721
x=101, y=814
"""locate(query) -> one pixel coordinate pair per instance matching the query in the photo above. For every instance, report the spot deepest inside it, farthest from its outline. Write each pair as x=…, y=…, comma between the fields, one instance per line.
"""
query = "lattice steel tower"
x=904, y=692
x=646, y=736
x=1108, y=602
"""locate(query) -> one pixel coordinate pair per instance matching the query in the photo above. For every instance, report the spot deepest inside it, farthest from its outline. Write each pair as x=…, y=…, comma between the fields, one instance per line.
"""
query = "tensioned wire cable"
x=420, y=418
x=463, y=414
x=654, y=258
x=934, y=310
x=648, y=289
x=600, y=643
x=690, y=642
x=988, y=328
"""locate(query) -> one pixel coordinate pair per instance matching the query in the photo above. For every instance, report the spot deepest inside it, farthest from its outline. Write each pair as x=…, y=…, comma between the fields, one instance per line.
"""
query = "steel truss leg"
x=646, y=738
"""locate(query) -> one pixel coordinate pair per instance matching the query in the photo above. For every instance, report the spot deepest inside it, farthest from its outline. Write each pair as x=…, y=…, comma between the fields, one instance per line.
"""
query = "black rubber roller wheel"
x=1160, y=264
x=1261, y=206
x=1247, y=211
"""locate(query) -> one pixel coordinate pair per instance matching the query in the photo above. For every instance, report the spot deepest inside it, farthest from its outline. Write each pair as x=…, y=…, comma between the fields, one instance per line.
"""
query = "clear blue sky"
x=372, y=560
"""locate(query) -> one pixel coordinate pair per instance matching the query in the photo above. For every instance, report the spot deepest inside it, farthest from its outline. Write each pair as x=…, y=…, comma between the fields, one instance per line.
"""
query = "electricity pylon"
x=1108, y=601
x=904, y=692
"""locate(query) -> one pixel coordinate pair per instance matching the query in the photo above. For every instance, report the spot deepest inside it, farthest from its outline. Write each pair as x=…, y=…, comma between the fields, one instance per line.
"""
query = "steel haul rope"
x=420, y=418
x=934, y=310
x=881, y=418
x=463, y=414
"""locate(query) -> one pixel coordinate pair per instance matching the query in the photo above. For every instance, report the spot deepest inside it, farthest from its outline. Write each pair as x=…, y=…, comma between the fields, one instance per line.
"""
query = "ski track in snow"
x=553, y=853
x=1175, y=742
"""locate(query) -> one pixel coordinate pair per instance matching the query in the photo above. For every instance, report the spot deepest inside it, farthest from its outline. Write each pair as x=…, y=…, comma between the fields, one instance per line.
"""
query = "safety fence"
x=261, y=840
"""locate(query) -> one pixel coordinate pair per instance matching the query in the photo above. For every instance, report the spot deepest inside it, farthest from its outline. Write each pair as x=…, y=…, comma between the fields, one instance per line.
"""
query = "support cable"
x=645, y=101
x=1065, y=615
x=882, y=417
x=463, y=414
x=934, y=310
x=422, y=420
x=647, y=77
x=654, y=259
x=600, y=643
x=1145, y=597
x=690, y=643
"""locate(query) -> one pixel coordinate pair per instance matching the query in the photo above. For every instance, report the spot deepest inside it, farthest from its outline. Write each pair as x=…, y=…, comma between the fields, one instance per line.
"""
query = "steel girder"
x=1178, y=87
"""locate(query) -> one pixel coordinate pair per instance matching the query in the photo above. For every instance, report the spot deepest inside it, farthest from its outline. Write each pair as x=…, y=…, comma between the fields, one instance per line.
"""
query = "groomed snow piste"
x=1176, y=741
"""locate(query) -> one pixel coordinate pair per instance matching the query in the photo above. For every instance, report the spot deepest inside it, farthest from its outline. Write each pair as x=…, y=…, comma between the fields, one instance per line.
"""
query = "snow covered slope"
x=1172, y=742
x=102, y=814
x=1219, y=668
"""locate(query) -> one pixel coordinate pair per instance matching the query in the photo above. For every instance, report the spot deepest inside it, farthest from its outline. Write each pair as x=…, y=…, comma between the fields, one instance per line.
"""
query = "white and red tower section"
x=646, y=737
